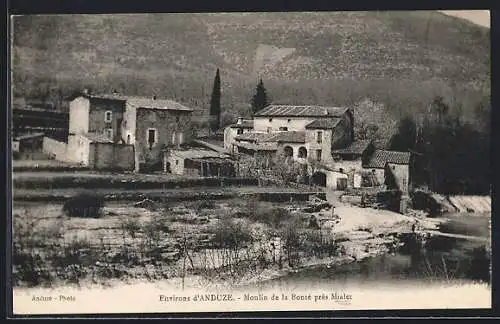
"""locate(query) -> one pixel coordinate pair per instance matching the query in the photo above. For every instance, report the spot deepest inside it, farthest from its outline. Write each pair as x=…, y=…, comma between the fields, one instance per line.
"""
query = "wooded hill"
x=386, y=64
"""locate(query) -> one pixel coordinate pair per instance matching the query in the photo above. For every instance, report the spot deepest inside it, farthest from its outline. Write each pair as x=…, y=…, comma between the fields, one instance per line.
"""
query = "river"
x=440, y=260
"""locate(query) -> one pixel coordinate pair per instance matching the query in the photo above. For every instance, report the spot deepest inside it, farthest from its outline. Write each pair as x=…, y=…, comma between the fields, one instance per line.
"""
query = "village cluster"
x=118, y=132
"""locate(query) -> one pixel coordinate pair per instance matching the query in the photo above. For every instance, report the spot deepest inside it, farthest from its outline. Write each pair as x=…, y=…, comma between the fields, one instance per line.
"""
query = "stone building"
x=147, y=125
x=300, y=132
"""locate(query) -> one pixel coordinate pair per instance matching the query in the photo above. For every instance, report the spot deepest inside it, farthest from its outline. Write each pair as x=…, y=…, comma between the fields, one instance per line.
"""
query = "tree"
x=406, y=136
x=260, y=99
x=215, y=109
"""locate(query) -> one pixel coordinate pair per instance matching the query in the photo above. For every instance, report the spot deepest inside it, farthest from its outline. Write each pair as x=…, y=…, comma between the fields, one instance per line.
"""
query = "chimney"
x=240, y=120
x=86, y=91
x=326, y=112
x=115, y=92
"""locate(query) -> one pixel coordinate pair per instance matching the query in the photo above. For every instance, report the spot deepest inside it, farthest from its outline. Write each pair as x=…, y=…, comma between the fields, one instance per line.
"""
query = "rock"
x=146, y=203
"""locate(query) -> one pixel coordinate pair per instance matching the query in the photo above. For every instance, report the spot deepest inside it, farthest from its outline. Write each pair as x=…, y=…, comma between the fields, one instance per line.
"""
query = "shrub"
x=131, y=226
x=84, y=205
x=319, y=243
x=274, y=217
x=203, y=204
x=231, y=233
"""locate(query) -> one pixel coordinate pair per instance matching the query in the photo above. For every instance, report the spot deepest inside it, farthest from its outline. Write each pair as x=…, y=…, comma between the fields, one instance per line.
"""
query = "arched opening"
x=167, y=168
x=319, y=178
x=302, y=152
x=288, y=150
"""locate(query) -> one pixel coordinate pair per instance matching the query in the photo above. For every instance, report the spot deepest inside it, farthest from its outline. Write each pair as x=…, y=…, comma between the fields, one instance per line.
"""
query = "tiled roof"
x=291, y=137
x=258, y=147
x=255, y=137
x=357, y=147
x=27, y=136
x=142, y=102
x=300, y=111
x=211, y=146
x=288, y=137
x=244, y=124
x=97, y=138
x=381, y=157
x=197, y=154
x=326, y=123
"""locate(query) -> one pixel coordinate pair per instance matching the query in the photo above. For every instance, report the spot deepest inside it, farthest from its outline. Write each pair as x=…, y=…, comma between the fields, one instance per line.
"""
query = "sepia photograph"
x=250, y=161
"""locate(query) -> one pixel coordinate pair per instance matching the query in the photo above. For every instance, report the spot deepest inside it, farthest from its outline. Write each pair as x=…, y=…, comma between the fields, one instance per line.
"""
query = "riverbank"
x=158, y=241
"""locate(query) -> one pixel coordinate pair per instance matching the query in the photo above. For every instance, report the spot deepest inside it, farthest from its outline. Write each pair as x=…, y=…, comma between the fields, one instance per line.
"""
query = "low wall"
x=110, y=156
x=54, y=148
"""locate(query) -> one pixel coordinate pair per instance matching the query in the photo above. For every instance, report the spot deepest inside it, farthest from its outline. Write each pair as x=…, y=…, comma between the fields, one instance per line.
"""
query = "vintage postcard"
x=274, y=161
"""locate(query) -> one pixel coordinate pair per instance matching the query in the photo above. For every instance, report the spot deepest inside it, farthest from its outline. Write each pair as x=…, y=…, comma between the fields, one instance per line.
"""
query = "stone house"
x=198, y=162
x=391, y=168
x=295, y=131
x=148, y=125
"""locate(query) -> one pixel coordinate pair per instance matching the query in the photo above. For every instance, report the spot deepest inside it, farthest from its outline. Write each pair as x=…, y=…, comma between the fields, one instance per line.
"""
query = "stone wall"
x=109, y=156
x=166, y=123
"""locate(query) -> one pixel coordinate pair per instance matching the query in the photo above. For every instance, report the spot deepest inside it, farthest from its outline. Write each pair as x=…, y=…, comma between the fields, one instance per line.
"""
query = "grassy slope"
x=402, y=59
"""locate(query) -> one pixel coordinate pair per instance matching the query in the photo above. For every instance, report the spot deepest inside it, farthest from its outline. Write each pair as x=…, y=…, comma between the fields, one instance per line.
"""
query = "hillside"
x=400, y=59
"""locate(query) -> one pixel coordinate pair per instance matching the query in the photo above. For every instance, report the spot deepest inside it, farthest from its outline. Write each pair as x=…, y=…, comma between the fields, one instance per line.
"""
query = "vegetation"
x=259, y=100
x=84, y=205
x=215, y=109
x=450, y=153
x=427, y=55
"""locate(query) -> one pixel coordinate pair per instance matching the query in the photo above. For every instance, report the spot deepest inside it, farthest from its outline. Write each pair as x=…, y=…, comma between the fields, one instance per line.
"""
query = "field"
x=214, y=231
x=232, y=240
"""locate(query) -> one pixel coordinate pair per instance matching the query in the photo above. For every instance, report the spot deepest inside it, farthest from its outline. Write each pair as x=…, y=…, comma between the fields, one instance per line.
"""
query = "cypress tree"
x=260, y=99
x=215, y=109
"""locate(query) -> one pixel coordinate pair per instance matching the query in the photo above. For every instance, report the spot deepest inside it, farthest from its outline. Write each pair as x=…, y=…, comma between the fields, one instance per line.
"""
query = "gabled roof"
x=247, y=123
x=256, y=137
x=210, y=146
x=258, y=147
x=300, y=111
x=27, y=136
x=198, y=154
x=326, y=123
x=291, y=137
x=286, y=137
x=357, y=147
x=381, y=157
x=140, y=102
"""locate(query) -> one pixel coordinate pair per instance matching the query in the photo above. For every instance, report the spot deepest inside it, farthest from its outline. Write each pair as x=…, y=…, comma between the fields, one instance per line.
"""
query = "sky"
x=480, y=17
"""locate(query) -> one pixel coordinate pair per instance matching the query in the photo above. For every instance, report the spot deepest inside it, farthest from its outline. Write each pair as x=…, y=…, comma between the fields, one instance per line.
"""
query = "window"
x=177, y=119
x=289, y=120
x=269, y=129
x=174, y=137
x=181, y=138
x=176, y=162
x=152, y=137
x=284, y=129
x=108, y=116
x=319, y=137
x=270, y=120
x=318, y=155
x=109, y=133
x=128, y=139
x=239, y=131
x=302, y=152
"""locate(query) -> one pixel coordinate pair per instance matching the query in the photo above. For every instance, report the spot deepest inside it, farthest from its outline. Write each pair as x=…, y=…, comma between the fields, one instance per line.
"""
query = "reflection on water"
x=444, y=260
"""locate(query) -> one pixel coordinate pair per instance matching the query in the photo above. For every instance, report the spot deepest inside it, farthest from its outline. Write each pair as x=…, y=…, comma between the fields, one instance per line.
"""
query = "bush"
x=131, y=226
x=231, y=233
x=202, y=204
x=84, y=205
x=274, y=217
